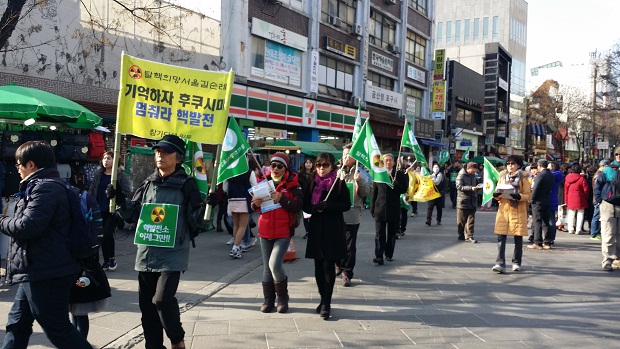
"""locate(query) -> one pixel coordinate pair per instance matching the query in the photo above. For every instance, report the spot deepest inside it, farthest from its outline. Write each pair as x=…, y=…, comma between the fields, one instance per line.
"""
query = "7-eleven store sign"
x=258, y=104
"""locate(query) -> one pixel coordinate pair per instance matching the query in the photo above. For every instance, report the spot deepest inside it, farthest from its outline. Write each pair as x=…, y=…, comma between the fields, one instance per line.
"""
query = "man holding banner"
x=166, y=207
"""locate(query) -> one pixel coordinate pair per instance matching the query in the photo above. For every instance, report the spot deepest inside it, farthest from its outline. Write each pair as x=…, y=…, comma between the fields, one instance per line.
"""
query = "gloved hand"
x=516, y=196
x=111, y=193
x=496, y=194
x=212, y=199
x=320, y=207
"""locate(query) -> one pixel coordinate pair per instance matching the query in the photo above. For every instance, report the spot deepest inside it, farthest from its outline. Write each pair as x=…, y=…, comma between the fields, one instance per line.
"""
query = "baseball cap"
x=171, y=144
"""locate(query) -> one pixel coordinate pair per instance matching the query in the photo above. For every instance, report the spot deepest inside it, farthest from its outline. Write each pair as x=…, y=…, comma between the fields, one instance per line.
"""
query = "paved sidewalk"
x=437, y=293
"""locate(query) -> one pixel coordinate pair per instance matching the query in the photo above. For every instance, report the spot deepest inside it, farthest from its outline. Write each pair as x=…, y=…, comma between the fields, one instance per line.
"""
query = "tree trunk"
x=9, y=20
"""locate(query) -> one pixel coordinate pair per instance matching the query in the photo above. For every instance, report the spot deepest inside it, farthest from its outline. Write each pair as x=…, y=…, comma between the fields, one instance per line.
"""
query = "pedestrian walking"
x=576, y=192
x=385, y=208
x=453, y=172
x=595, y=225
x=541, y=202
x=326, y=238
x=159, y=268
x=305, y=177
x=275, y=229
x=607, y=194
x=40, y=262
x=511, y=218
x=558, y=180
x=439, y=180
x=467, y=201
x=359, y=185
x=97, y=189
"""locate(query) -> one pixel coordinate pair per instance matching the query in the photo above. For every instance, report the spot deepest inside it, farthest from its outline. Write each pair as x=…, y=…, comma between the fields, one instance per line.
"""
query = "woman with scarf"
x=275, y=229
x=511, y=216
x=326, y=239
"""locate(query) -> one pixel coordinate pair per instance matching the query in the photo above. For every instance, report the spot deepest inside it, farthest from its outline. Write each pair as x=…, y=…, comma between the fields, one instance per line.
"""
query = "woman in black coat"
x=326, y=240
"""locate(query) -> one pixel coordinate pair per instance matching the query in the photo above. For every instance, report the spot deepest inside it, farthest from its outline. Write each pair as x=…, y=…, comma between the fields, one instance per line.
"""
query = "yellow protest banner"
x=157, y=99
x=426, y=190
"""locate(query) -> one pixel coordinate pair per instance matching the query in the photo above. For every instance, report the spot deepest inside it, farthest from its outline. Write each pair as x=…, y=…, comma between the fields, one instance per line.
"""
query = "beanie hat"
x=281, y=158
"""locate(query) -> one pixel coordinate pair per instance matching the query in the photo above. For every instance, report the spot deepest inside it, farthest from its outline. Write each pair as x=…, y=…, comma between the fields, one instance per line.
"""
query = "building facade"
x=489, y=37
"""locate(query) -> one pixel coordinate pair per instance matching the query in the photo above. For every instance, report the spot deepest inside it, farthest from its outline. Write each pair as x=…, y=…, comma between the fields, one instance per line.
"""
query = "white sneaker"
x=516, y=267
x=231, y=241
x=253, y=241
x=245, y=247
x=235, y=252
x=498, y=269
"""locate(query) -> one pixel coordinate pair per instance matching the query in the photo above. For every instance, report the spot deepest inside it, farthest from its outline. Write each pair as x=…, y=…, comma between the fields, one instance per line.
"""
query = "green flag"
x=195, y=167
x=424, y=171
x=465, y=156
x=358, y=124
x=444, y=156
x=232, y=160
x=409, y=141
x=366, y=151
x=490, y=181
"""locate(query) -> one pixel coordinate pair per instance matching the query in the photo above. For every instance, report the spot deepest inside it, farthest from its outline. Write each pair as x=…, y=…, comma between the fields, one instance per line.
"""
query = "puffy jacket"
x=176, y=189
x=466, y=196
x=39, y=232
x=277, y=224
x=541, y=188
x=511, y=216
x=576, y=192
x=558, y=178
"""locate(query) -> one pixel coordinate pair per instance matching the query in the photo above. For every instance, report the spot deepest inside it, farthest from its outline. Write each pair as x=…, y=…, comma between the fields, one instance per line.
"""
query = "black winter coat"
x=385, y=205
x=39, y=231
x=326, y=229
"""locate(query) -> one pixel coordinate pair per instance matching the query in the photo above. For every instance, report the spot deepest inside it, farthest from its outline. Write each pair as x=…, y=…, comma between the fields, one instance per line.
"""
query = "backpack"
x=613, y=196
x=86, y=223
x=96, y=145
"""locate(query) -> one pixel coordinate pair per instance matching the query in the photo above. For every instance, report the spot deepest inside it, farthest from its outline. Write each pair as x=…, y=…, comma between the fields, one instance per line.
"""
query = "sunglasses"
x=323, y=165
x=511, y=163
x=616, y=154
x=278, y=166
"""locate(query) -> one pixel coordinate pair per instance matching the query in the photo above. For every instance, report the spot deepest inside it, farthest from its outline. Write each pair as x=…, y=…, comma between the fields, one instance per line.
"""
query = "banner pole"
x=213, y=186
x=114, y=175
x=260, y=169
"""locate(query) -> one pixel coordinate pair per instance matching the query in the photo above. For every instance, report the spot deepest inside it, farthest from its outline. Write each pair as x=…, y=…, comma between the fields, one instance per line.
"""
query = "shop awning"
x=308, y=148
x=431, y=143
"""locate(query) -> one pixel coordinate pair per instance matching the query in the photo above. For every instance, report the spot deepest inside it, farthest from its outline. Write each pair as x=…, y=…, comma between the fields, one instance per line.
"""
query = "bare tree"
x=153, y=13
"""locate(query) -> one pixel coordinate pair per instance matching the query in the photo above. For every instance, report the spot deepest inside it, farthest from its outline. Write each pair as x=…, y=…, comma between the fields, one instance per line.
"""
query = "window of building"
x=476, y=28
x=448, y=32
x=439, y=31
x=485, y=28
x=464, y=115
x=417, y=95
x=419, y=5
x=258, y=52
x=343, y=9
x=495, y=27
x=467, y=30
x=416, y=48
x=381, y=30
x=335, y=78
x=457, y=32
x=382, y=81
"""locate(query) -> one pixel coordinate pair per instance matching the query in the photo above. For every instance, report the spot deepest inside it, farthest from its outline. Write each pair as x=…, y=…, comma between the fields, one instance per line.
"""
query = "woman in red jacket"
x=275, y=229
x=576, y=191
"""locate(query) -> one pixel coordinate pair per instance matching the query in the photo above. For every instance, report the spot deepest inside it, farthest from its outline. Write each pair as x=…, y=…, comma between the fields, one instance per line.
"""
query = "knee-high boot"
x=269, y=292
x=282, y=292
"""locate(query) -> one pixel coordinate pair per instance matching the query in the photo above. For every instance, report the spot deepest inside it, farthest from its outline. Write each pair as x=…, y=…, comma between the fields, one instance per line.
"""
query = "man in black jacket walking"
x=39, y=257
x=385, y=208
x=541, y=201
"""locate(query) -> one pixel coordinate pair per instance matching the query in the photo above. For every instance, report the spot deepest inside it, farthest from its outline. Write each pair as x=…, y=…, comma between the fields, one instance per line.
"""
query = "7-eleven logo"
x=309, y=118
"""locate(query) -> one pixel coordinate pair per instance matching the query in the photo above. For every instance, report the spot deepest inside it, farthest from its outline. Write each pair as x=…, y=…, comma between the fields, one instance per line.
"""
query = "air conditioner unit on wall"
x=356, y=29
x=355, y=101
x=335, y=21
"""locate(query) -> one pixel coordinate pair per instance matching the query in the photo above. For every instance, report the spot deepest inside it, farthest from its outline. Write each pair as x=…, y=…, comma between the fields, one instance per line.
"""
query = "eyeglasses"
x=18, y=165
x=278, y=166
x=323, y=164
x=511, y=163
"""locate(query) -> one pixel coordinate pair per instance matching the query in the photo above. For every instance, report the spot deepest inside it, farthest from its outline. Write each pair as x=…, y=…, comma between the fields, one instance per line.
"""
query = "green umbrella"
x=495, y=161
x=18, y=103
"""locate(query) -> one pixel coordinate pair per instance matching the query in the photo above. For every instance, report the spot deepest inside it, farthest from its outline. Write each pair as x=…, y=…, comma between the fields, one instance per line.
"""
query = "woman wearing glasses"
x=275, y=229
x=326, y=198
x=511, y=216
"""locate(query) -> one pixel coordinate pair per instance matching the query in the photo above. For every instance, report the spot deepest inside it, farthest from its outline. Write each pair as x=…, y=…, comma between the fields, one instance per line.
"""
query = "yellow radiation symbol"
x=199, y=165
x=376, y=160
x=158, y=214
x=135, y=72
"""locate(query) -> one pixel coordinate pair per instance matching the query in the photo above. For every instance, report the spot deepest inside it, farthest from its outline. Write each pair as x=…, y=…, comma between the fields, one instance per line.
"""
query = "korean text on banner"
x=157, y=99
